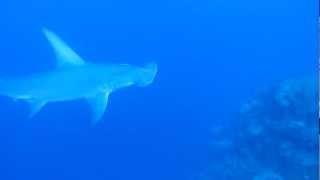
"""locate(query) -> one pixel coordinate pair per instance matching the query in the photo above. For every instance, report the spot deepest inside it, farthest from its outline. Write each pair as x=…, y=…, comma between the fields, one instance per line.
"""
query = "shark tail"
x=149, y=72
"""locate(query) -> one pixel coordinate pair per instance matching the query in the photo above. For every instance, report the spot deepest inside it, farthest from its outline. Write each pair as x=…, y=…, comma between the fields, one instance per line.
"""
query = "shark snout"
x=148, y=74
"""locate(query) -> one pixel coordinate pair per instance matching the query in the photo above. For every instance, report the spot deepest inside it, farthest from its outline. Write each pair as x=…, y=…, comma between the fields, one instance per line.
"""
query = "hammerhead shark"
x=73, y=78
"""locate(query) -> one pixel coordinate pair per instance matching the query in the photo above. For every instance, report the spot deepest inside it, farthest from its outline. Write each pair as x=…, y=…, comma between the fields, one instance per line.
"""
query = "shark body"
x=73, y=78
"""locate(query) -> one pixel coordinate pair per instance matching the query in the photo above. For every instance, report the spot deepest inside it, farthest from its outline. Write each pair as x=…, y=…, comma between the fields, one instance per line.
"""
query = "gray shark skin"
x=73, y=78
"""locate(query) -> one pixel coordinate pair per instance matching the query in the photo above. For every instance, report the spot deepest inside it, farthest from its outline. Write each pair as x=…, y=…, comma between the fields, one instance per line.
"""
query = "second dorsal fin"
x=66, y=57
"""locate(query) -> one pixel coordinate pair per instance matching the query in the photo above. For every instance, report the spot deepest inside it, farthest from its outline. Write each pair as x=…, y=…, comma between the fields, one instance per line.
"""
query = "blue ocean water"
x=213, y=56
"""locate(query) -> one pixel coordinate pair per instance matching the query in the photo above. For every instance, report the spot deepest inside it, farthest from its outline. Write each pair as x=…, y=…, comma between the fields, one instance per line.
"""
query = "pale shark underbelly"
x=49, y=89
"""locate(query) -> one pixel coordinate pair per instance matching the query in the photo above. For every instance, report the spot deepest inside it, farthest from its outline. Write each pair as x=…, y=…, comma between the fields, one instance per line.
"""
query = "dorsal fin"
x=66, y=57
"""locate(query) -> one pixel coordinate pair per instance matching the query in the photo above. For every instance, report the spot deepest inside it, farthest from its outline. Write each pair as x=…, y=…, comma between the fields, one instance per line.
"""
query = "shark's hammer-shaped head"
x=113, y=77
x=147, y=74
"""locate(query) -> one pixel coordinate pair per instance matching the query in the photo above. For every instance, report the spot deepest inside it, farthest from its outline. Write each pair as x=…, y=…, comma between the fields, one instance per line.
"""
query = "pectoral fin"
x=98, y=105
x=35, y=107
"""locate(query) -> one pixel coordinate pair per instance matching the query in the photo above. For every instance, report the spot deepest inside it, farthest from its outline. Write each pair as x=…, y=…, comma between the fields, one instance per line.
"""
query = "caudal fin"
x=148, y=74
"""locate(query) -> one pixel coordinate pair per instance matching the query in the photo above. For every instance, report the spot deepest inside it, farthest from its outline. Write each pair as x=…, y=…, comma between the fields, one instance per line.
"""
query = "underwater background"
x=235, y=96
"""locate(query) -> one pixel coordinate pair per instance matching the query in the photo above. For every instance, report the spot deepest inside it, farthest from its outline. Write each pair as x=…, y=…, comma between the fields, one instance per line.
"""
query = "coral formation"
x=275, y=136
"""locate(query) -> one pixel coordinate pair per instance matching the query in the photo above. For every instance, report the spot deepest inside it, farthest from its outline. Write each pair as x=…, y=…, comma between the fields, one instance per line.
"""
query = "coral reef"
x=275, y=136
